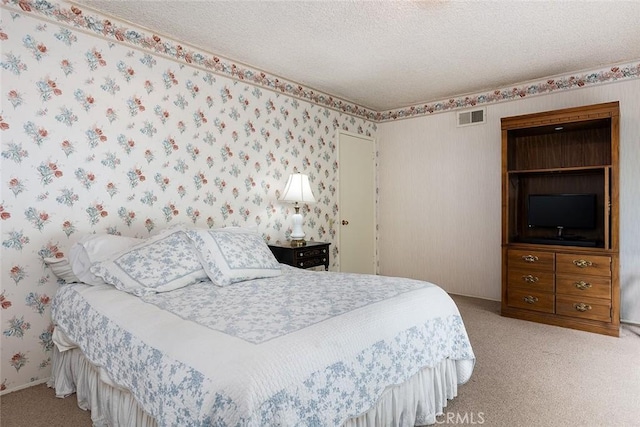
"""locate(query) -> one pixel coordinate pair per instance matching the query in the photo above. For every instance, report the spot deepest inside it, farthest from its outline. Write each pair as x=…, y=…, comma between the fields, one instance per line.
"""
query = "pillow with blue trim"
x=161, y=263
x=233, y=254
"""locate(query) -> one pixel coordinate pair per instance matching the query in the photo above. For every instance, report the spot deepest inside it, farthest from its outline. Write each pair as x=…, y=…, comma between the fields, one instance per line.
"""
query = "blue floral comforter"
x=304, y=348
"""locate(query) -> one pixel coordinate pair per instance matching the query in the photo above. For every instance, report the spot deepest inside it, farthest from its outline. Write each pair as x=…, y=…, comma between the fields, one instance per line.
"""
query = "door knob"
x=344, y=222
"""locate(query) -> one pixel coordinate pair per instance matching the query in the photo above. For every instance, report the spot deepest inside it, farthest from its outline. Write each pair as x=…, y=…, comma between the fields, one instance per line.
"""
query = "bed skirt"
x=414, y=403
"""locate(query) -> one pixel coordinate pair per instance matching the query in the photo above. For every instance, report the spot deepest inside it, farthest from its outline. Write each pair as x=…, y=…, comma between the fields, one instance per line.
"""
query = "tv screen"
x=576, y=211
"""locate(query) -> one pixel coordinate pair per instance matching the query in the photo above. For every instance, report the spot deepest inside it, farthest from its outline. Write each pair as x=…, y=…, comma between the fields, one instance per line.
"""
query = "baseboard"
x=23, y=386
x=473, y=296
x=629, y=322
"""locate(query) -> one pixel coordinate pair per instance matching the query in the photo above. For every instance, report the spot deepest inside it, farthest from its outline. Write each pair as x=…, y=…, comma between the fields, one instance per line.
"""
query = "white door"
x=356, y=198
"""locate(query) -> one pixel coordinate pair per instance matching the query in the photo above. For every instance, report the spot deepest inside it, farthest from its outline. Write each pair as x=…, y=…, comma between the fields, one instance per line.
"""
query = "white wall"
x=440, y=189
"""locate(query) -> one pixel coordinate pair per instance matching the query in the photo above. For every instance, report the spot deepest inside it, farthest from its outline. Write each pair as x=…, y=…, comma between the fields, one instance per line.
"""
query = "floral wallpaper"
x=100, y=136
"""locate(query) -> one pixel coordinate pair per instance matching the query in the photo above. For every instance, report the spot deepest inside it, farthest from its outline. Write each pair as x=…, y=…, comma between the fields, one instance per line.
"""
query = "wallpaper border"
x=609, y=74
x=140, y=38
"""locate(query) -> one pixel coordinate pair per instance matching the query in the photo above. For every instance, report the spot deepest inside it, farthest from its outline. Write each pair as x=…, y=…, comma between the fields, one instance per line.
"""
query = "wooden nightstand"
x=311, y=255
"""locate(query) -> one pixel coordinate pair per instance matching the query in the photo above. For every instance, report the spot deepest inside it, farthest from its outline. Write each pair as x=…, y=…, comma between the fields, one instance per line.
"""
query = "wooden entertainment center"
x=569, y=277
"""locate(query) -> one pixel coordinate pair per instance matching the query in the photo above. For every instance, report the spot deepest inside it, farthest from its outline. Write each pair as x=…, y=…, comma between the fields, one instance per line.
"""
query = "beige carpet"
x=526, y=374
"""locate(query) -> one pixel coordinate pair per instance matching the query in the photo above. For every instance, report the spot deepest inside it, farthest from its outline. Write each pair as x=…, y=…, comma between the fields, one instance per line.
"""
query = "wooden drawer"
x=584, y=286
x=584, y=307
x=527, y=260
x=312, y=255
x=531, y=280
x=595, y=265
x=530, y=300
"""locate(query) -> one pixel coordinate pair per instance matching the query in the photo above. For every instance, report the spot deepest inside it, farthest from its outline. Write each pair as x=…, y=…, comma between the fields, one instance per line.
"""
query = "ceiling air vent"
x=472, y=117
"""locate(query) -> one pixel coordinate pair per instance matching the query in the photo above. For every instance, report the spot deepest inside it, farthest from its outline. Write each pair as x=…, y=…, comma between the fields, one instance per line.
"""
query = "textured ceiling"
x=384, y=55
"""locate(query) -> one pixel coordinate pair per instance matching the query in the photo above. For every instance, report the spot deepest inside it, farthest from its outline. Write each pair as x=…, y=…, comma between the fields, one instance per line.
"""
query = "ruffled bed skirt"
x=109, y=404
x=416, y=402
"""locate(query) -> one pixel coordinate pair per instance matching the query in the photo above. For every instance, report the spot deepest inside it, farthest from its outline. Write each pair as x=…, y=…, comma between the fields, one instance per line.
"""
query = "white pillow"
x=231, y=255
x=93, y=248
x=161, y=263
x=61, y=268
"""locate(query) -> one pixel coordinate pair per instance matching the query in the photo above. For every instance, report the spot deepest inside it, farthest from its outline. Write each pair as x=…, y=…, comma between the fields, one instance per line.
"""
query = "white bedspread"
x=305, y=348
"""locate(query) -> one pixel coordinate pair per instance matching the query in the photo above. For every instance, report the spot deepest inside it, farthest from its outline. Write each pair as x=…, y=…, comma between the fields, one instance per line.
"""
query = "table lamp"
x=297, y=191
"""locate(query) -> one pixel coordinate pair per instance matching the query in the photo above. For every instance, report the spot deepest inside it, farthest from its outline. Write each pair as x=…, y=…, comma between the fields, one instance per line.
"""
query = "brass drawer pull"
x=530, y=299
x=530, y=279
x=582, y=263
x=582, y=285
x=529, y=258
x=582, y=307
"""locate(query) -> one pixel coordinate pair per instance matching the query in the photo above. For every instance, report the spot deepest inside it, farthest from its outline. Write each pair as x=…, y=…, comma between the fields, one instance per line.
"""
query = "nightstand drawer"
x=308, y=262
x=311, y=251
x=313, y=254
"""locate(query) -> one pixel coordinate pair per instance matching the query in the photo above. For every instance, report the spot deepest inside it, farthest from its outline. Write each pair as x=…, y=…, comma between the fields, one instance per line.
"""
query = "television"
x=562, y=211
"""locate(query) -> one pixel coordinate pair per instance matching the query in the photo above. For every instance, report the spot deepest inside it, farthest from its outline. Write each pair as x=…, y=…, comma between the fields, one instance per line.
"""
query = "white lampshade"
x=298, y=189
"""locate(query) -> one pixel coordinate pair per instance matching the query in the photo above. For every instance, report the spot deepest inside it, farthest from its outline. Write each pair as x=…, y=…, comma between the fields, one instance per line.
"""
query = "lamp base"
x=296, y=243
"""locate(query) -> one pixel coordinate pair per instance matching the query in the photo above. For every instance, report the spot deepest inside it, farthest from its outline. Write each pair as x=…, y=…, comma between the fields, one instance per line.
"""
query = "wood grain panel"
x=582, y=264
x=531, y=260
x=531, y=280
x=531, y=300
x=584, y=286
x=583, y=307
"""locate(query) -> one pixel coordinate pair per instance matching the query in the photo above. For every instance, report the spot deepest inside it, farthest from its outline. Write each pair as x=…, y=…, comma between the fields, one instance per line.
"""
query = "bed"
x=252, y=342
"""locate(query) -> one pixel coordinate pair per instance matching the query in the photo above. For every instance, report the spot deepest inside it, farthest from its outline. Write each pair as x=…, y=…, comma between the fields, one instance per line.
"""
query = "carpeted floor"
x=526, y=374
x=529, y=374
